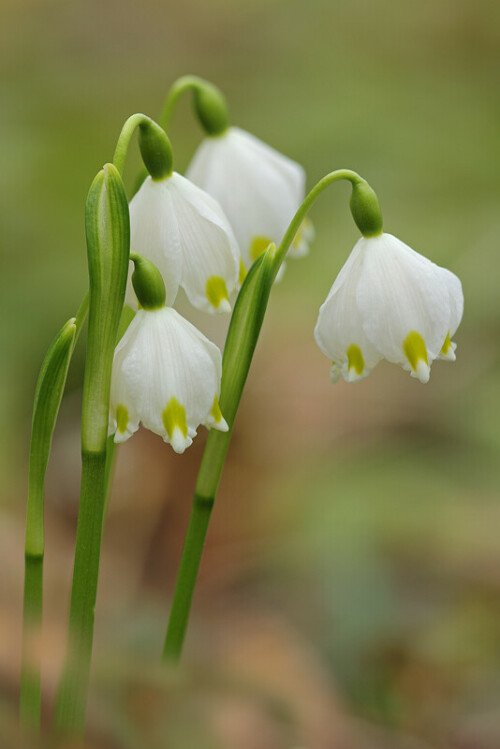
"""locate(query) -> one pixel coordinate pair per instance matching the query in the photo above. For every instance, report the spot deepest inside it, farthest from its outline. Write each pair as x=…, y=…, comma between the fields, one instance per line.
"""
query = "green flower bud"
x=148, y=283
x=365, y=209
x=108, y=243
x=210, y=107
x=156, y=149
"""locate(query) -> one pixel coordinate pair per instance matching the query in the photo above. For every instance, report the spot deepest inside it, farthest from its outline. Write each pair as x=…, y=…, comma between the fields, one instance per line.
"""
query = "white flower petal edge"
x=339, y=332
x=456, y=311
x=166, y=374
x=258, y=188
x=390, y=302
x=185, y=233
x=152, y=237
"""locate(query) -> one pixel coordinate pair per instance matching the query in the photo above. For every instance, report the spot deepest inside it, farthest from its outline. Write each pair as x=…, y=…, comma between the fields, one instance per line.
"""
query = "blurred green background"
x=350, y=591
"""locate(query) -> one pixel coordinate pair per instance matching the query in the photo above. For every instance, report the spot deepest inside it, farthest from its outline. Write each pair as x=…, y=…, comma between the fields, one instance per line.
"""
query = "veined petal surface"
x=166, y=374
x=339, y=331
x=208, y=246
x=258, y=188
x=152, y=235
x=400, y=292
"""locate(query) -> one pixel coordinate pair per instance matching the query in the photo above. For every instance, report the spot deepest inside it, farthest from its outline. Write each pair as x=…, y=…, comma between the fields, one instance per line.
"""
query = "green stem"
x=108, y=243
x=319, y=187
x=209, y=104
x=218, y=442
x=181, y=85
x=124, y=139
x=74, y=683
x=188, y=572
x=50, y=388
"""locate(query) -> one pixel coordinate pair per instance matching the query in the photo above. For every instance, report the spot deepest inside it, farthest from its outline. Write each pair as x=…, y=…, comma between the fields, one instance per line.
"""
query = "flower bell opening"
x=389, y=302
x=258, y=188
x=166, y=375
x=184, y=232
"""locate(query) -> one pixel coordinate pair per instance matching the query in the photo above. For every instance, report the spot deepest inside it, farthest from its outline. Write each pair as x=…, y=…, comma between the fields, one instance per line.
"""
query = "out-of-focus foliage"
x=351, y=578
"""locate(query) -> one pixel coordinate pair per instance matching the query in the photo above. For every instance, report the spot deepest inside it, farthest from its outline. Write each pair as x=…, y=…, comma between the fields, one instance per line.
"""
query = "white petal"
x=163, y=365
x=179, y=442
x=151, y=235
x=401, y=292
x=339, y=332
x=123, y=416
x=208, y=246
x=456, y=297
x=258, y=188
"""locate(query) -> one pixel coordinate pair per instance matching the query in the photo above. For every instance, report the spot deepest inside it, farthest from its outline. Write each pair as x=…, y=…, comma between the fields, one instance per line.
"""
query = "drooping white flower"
x=258, y=188
x=185, y=233
x=166, y=374
x=389, y=302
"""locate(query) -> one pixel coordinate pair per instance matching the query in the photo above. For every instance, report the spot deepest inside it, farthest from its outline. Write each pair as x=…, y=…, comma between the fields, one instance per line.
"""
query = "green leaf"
x=242, y=337
x=244, y=329
x=48, y=395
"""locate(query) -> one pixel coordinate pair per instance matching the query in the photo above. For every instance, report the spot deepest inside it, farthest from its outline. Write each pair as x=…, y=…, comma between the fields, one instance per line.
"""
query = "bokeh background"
x=349, y=595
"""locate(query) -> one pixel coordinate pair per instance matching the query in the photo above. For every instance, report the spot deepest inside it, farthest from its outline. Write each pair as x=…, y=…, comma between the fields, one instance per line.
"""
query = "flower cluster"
x=166, y=374
x=202, y=232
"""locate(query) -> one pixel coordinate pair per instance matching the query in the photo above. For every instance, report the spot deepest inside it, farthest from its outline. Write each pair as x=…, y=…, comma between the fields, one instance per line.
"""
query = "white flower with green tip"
x=166, y=375
x=258, y=188
x=185, y=233
x=389, y=302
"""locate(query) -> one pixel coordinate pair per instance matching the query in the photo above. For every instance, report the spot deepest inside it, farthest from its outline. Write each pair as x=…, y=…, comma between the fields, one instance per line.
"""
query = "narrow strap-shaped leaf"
x=48, y=395
x=242, y=337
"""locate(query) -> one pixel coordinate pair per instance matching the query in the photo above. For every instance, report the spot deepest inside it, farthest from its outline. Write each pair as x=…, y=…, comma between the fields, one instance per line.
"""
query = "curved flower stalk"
x=389, y=302
x=258, y=188
x=166, y=374
x=177, y=226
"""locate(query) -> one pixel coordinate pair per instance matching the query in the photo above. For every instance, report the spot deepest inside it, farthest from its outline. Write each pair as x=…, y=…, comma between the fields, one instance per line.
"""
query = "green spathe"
x=156, y=149
x=211, y=108
x=107, y=227
x=365, y=209
x=148, y=283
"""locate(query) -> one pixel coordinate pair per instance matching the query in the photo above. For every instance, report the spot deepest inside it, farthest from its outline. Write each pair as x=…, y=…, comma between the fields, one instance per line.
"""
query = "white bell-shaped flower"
x=166, y=374
x=185, y=233
x=258, y=188
x=389, y=302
